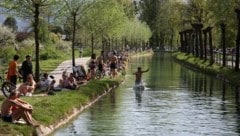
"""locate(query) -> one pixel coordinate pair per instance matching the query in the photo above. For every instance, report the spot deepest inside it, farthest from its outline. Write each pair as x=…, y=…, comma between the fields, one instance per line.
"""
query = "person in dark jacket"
x=26, y=68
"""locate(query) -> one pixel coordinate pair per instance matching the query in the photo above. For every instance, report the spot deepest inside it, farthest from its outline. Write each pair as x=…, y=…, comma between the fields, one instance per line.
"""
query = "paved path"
x=67, y=66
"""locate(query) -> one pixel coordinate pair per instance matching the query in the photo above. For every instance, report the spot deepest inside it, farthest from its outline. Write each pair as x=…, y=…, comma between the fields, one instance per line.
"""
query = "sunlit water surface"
x=175, y=102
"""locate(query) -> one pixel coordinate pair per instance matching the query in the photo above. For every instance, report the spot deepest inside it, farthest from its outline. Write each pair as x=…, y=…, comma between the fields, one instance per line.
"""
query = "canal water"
x=175, y=102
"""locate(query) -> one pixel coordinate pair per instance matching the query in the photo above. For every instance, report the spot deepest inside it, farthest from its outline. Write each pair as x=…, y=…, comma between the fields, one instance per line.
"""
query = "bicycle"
x=100, y=74
x=7, y=88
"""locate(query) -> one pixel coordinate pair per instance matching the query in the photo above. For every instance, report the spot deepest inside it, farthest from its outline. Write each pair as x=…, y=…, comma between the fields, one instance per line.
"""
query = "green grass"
x=214, y=69
x=51, y=109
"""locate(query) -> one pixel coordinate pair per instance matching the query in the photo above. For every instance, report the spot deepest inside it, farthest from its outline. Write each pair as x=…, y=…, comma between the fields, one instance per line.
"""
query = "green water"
x=176, y=102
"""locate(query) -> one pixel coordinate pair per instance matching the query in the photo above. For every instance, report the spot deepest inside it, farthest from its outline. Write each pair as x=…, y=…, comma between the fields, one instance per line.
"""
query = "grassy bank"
x=51, y=109
x=193, y=62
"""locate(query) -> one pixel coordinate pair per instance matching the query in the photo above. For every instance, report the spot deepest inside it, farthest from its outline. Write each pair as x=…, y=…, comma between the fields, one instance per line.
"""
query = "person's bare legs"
x=25, y=114
x=114, y=73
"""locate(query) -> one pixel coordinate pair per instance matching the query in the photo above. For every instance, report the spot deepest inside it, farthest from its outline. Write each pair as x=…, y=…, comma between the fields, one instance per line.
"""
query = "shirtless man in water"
x=113, y=65
x=138, y=74
x=13, y=109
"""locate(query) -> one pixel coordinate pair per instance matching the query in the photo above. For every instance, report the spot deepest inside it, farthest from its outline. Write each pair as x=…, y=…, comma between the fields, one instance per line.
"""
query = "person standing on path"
x=100, y=63
x=113, y=65
x=13, y=70
x=93, y=65
x=26, y=68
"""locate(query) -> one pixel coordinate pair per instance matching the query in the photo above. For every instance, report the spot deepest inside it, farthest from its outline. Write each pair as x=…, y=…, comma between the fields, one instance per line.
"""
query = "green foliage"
x=7, y=54
x=6, y=36
x=88, y=51
x=63, y=46
x=204, y=66
x=59, y=106
x=50, y=52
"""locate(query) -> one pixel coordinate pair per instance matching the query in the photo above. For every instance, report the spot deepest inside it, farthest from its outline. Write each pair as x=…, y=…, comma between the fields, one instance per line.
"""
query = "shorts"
x=7, y=118
x=113, y=66
x=138, y=82
x=13, y=79
x=100, y=67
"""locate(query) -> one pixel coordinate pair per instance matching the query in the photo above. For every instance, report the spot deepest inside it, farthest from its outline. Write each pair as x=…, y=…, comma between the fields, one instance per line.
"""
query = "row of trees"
x=109, y=24
x=166, y=18
x=91, y=22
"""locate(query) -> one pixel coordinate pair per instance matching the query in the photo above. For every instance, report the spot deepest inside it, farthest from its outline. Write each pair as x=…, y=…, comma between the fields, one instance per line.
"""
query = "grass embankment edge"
x=53, y=111
x=195, y=63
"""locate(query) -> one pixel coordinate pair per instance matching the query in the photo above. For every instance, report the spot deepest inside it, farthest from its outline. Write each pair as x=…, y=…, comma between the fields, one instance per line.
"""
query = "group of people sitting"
x=13, y=108
x=48, y=84
x=79, y=76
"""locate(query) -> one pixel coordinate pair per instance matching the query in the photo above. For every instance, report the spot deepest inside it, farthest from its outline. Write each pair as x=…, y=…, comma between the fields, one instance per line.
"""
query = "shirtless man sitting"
x=13, y=108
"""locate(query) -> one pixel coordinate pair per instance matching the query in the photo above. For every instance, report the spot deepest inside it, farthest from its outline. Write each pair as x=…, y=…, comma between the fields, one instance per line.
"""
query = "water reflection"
x=176, y=102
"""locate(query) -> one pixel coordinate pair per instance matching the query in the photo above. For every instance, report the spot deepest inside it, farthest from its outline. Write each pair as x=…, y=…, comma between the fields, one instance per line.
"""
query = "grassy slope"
x=190, y=61
x=51, y=109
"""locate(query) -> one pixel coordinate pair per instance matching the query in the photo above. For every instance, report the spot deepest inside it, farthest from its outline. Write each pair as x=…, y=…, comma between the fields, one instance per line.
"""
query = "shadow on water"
x=175, y=102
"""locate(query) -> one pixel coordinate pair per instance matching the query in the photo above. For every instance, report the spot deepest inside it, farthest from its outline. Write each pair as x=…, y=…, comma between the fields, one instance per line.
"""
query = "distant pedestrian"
x=80, y=52
x=100, y=63
x=26, y=68
x=13, y=71
x=113, y=65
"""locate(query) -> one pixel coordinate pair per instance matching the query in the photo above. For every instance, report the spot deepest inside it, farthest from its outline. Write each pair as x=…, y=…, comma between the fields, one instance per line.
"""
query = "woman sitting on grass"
x=68, y=82
x=28, y=87
x=47, y=83
x=13, y=109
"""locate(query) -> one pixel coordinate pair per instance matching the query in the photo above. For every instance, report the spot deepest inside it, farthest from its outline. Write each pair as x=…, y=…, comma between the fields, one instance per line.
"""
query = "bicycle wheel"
x=98, y=74
x=7, y=88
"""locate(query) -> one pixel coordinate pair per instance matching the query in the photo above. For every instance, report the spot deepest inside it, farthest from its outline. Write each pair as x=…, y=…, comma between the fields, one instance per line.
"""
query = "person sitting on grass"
x=13, y=109
x=27, y=88
x=68, y=82
x=64, y=80
x=89, y=75
x=46, y=84
x=80, y=74
x=72, y=84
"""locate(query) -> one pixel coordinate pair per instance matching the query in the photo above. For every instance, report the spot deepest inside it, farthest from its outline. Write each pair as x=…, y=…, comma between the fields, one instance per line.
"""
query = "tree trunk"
x=210, y=44
x=73, y=38
x=36, y=32
x=92, y=43
x=223, y=26
x=237, y=41
x=205, y=44
x=200, y=43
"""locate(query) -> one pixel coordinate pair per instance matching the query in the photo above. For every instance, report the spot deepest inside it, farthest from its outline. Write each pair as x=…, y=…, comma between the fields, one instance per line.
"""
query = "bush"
x=7, y=54
x=63, y=46
x=6, y=36
x=44, y=56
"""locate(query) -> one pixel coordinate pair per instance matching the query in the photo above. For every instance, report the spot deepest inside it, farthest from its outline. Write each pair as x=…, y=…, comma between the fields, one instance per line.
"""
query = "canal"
x=175, y=102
